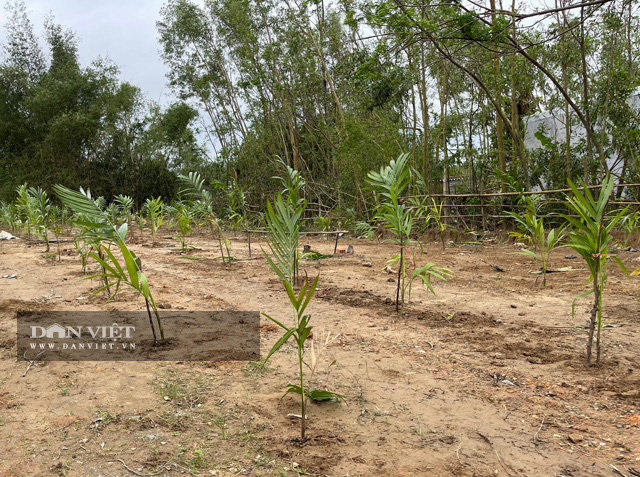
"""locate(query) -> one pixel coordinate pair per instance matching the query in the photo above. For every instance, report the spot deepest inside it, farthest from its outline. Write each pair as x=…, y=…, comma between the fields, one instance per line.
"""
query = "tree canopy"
x=334, y=89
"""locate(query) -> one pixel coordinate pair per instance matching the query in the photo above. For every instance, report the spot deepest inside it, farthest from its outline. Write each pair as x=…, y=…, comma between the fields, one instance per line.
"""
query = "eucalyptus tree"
x=309, y=95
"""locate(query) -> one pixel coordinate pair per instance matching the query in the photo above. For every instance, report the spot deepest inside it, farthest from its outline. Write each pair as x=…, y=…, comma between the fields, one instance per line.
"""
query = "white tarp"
x=7, y=236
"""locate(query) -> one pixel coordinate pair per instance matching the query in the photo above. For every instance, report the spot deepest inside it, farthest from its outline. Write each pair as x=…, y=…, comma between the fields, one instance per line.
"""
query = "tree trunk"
x=593, y=320
x=515, y=119
x=498, y=95
x=585, y=100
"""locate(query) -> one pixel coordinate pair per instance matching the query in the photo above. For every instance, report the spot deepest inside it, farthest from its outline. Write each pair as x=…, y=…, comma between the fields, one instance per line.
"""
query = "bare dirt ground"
x=486, y=378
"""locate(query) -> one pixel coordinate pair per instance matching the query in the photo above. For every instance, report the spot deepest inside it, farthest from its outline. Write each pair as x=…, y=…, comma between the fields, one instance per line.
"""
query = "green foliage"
x=43, y=216
x=153, y=209
x=630, y=224
x=283, y=224
x=391, y=185
x=533, y=230
x=183, y=216
x=102, y=234
x=426, y=273
x=323, y=223
x=293, y=184
x=237, y=206
x=128, y=273
x=435, y=216
x=205, y=207
x=26, y=208
x=125, y=209
x=590, y=236
x=33, y=209
x=64, y=122
x=10, y=217
x=364, y=229
x=300, y=331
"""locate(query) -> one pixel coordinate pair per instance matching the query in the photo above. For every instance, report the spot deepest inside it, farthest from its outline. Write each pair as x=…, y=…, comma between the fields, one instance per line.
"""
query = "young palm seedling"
x=10, y=217
x=183, y=215
x=87, y=241
x=98, y=228
x=544, y=241
x=204, y=197
x=26, y=208
x=591, y=237
x=236, y=204
x=391, y=185
x=300, y=332
x=364, y=229
x=140, y=221
x=113, y=211
x=630, y=223
x=323, y=223
x=41, y=213
x=283, y=224
x=154, y=212
x=284, y=219
x=435, y=216
x=125, y=207
x=129, y=274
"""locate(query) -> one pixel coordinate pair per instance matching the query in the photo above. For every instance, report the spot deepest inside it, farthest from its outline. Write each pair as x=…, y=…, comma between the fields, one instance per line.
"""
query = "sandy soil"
x=486, y=378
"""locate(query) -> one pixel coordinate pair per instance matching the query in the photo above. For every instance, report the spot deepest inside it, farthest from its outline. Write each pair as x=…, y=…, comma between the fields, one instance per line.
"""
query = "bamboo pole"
x=512, y=194
x=304, y=233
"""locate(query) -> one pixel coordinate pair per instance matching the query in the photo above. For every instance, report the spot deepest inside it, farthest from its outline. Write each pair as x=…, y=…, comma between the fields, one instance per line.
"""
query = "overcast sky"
x=122, y=30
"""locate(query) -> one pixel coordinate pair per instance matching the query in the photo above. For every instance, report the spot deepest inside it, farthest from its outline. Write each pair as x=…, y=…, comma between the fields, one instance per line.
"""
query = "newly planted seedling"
x=41, y=213
x=591, y=237
x=125, y=207
x=153, y=209
x=129, y=274
x=391, y=185
x=89, y=219
x=364, y=229
x=300, y=331
x=323, y=223
x=284, y=222
x=630, y=224
x=183, y=216
x=197, y=191
x=98, y=228
x=9, y=216
x=435, y=216
x=531, y=227
x=26, y=208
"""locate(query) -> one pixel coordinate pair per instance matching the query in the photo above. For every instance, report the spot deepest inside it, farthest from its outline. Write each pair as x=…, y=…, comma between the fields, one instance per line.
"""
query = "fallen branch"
x=535, y=436
x=138, y=473
x=617, y=471
x=31, y=361
x=488, y=441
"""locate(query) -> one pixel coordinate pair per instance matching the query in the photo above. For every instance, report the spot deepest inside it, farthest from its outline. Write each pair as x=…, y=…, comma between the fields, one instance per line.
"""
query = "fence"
x=488, y=208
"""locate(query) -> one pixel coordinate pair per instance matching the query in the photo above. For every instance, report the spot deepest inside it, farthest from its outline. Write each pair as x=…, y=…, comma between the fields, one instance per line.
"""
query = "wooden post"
x=335, y=249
